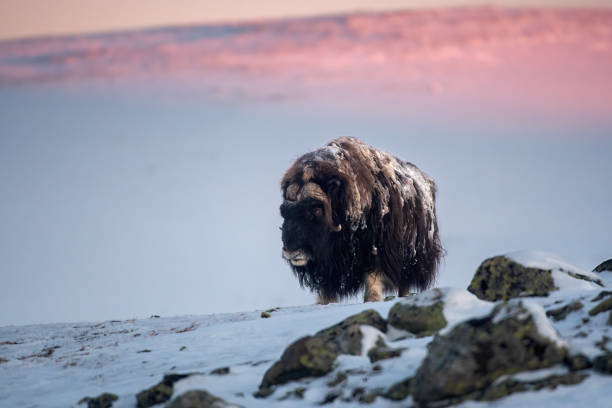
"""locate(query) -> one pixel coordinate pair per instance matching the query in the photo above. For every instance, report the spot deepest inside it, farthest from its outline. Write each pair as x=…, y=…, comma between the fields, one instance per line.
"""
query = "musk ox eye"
x=317, y=212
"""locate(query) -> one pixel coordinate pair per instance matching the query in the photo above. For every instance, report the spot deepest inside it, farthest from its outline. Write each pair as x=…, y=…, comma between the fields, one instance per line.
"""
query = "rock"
x=199, y=399
x=160, y=392
x=389, y=298
x=511, y=385
x=604, y=266
x=578, y=362
x=400, y=390
x=220, y=371
x=421, y=315
x=602, y=295
x=265, y=315
x=500, y=278
x=101, y=401
x=601, y=307
x=383, y=352
x=310, y=356
x=562, y=312
x=314, y=356
x=297, y=393
x=2, y=360
x=478, y=351
x=603, y=363
x=346, y=336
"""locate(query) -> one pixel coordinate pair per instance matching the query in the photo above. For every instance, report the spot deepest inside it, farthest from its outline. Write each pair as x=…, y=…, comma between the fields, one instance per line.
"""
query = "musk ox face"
x=304, y=231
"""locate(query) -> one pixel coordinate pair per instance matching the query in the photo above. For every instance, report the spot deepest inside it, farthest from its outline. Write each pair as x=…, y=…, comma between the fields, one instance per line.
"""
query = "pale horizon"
x=37, y=18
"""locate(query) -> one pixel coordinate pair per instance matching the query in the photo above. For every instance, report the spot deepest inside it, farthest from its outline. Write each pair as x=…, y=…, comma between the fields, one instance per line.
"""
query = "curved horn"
x=312, y=190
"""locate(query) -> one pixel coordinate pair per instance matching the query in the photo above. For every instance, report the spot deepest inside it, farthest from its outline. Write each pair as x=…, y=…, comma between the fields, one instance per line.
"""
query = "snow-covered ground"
x=125, y=357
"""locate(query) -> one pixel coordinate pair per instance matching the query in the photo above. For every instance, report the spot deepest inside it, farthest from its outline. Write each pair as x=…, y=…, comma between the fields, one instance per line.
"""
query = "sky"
x=28, y=18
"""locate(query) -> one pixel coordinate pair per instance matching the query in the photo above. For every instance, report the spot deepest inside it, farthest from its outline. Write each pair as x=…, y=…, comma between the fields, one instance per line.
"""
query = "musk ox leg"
x=403, y=291
x=373, y=288
x=324, y=300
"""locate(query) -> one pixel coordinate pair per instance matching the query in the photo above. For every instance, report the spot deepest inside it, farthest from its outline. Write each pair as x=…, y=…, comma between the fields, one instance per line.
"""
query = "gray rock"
x=500, y=278
x=603, y=306
x=603, y=363
x=161, y=392
x=105, y=400
x=199, y=399
x=605, y=266
x=478, y=351
x=562, y=312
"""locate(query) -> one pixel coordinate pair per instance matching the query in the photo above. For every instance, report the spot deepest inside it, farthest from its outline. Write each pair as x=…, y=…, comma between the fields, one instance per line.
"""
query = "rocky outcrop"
x=501, y=278
x=515, y=337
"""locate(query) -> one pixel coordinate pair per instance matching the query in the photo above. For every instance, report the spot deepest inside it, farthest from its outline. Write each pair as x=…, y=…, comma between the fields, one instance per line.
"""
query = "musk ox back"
x=358, y=218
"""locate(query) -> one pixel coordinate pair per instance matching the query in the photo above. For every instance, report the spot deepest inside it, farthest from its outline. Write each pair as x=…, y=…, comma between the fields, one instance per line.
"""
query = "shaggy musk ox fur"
x=356, y=217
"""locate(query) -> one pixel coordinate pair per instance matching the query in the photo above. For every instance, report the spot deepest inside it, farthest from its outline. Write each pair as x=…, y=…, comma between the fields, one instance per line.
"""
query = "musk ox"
x=358, y=218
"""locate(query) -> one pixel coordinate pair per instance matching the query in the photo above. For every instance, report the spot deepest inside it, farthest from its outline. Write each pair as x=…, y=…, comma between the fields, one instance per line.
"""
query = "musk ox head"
x=349, y=210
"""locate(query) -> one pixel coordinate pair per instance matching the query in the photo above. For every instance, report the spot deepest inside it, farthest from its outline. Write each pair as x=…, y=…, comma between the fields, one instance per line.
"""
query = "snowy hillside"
x=229, y=354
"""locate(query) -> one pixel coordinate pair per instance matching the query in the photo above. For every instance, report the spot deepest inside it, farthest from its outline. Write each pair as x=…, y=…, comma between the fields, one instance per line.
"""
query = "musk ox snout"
x=296, y=258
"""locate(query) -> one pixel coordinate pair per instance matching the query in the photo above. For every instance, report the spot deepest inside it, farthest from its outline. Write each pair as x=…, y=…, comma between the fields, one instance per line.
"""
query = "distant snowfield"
x=125, y=357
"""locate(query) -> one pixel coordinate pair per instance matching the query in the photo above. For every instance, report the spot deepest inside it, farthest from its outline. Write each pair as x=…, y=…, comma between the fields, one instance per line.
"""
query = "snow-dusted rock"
x=421, y=315
x=528, y=273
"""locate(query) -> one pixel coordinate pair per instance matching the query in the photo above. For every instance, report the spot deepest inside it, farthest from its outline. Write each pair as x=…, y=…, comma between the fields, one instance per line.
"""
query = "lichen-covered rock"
x=501, y=278
x=603, y=306
x=105, y=400
x=603, y=363
x=514, y=337
x=308, y=357
x=220, y=371
x=199, y=399
x=604, y=266
x=421, y=315
x=562, y=312
x=346, y=336
x=160, y=392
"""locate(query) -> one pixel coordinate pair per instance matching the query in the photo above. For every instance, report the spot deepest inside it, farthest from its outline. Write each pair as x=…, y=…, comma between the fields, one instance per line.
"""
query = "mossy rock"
x=199, y=399
x=605, y=266
x=308, y=357
x=420, y=320
x=501, y=278
x=476, y=352
x=105, y=400
x=160, y=392
x=562, y=312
